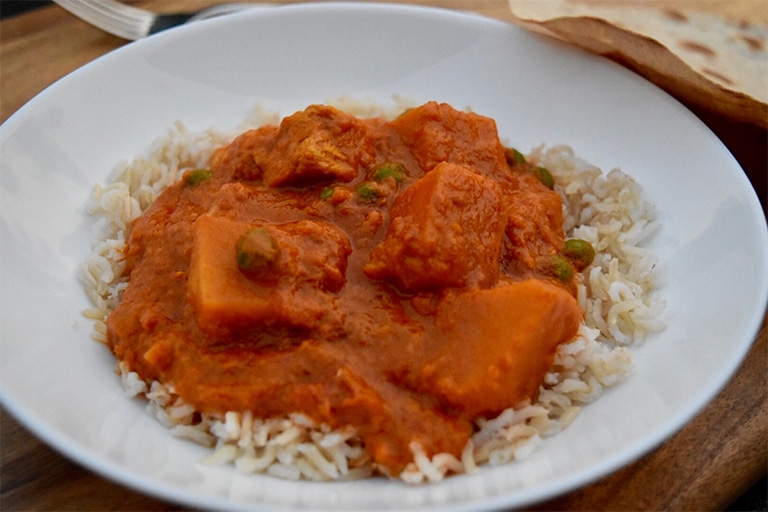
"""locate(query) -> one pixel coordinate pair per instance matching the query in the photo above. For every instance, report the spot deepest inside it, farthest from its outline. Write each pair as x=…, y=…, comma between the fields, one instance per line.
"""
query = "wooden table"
x=704, y=467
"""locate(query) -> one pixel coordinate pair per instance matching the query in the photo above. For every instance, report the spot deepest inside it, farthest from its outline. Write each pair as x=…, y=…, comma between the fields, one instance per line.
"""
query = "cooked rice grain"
x=615, y=292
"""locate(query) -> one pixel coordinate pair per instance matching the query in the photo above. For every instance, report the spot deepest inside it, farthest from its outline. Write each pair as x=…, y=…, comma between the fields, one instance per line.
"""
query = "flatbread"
x=711, y=53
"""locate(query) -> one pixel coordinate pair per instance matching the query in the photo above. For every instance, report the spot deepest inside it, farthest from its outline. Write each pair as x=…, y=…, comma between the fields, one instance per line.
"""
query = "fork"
x=133, y=23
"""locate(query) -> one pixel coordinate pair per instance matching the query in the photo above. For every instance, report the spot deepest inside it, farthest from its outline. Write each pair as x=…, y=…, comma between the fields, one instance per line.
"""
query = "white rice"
x=615, y=292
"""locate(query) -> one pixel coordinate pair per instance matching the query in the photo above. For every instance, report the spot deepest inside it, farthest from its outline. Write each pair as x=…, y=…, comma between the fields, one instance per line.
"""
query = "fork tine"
x=113, y=17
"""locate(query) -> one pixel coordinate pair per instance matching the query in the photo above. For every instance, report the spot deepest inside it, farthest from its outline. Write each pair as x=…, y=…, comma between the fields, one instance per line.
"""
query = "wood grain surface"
x=705, y=466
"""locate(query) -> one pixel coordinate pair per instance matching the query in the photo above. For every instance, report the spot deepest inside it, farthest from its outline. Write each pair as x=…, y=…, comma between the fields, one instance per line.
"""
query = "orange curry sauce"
x=405, y=303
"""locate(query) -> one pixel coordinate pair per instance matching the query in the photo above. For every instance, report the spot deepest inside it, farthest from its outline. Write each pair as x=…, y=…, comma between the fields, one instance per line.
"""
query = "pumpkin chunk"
x=446, y=230
x=497, y=344
x=295, y=293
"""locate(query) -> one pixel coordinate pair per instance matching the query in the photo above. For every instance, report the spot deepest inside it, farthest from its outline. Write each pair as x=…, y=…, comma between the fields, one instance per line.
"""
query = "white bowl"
x=713, y=243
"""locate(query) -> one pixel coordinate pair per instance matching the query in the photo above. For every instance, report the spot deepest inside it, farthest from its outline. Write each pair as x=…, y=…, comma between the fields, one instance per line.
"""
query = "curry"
x=402, y=277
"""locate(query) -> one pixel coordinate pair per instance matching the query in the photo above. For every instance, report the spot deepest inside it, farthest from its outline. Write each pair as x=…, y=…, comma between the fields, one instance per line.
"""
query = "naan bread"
x=711, y=53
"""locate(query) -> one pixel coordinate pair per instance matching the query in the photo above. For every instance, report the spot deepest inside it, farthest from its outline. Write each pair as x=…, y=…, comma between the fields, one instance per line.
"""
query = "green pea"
x=560, y=267
x=544, y=176
x=367, y=192
x=389, y=170
x=197, y=176
x=514, y=157
x=326, y=193
x=256, y=253
x=579, y=252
